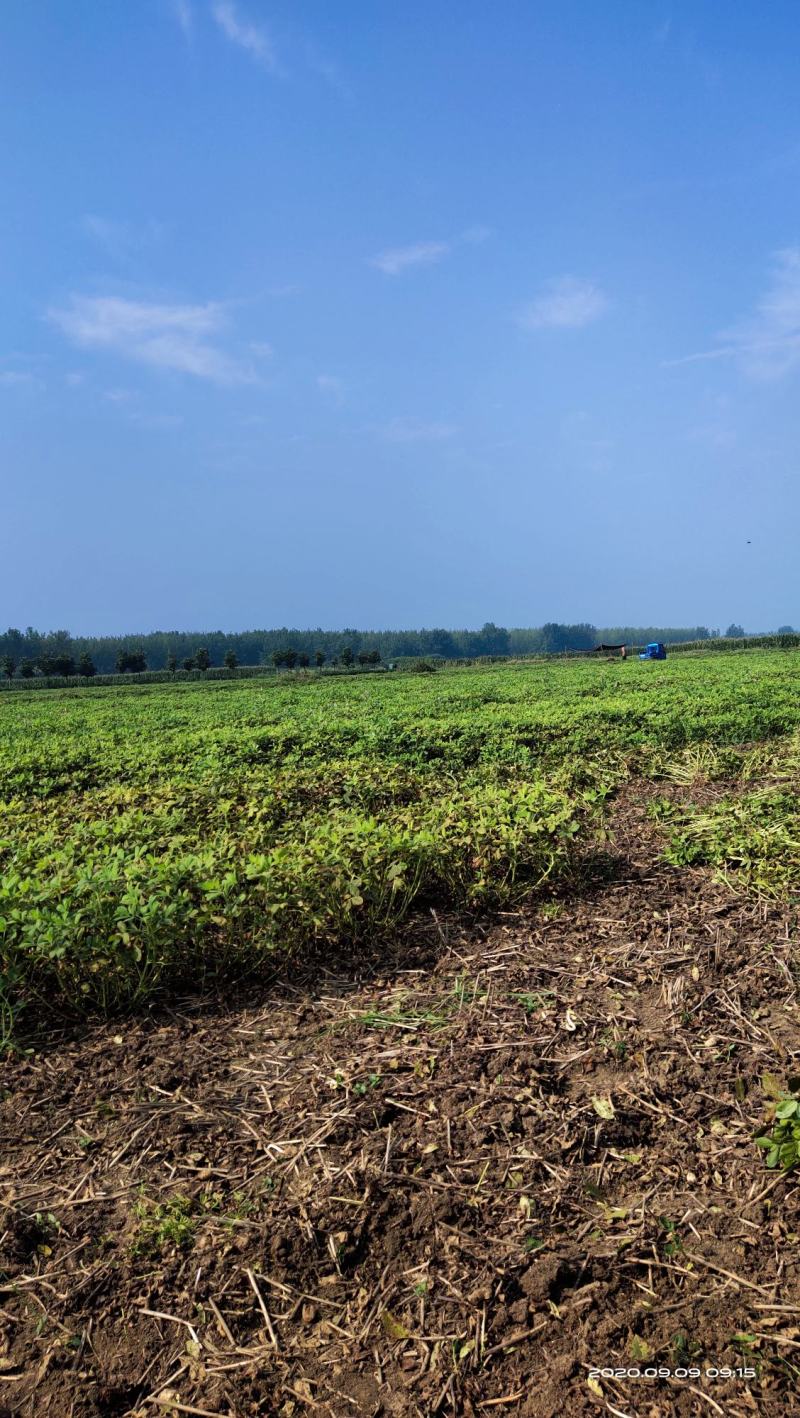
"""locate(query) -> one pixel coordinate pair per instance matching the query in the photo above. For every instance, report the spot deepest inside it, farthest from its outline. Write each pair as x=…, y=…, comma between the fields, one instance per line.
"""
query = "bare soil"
x=452, y=1179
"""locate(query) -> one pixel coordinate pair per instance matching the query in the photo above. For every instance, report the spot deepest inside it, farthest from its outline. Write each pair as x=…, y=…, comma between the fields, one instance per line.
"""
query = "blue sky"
x=383, y=315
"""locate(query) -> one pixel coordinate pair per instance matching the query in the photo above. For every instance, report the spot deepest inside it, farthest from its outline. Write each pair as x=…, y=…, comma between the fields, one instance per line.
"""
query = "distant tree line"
x=30, y=652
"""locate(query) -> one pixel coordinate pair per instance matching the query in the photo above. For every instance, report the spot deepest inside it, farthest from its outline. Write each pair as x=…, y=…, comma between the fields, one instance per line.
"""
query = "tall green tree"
x=230, y=662
x=202, y=659
x=59, y=665
x=131, y=662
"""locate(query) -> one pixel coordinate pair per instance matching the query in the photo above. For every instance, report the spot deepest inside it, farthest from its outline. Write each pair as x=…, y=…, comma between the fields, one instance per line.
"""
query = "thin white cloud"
x=242, y=32
x=765, y=345
x=120, y=396
x=713, y=436
x=332, y=387
x=182, y=10
x=16, y=378
x=397, y=259
x=476, y=235
x=724, y=352
x=173, y=337
x=405, y=430
x=103, y=230
x=564, y=303
x=328, y=70
x=120, y=239
x=156, y=421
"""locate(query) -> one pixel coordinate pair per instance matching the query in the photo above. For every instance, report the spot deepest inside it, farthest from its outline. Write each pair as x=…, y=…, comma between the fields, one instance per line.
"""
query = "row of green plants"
x=164, y=833
x=178, y=676
x=103, y=910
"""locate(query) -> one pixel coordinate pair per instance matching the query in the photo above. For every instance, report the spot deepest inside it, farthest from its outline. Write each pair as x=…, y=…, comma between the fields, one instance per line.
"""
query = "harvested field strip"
x=455, y=1186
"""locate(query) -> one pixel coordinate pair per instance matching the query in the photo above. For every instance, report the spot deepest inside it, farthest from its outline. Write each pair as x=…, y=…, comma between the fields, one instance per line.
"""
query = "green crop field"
x=160, y=834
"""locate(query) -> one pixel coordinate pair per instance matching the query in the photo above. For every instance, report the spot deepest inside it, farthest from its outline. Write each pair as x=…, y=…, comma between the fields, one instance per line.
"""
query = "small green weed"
x=364, y=1085
x=615, y=1046
x=44, y=1228
x=531, y=1003
x=551, y=910
x=673, y=1244
x=166, y=1224
x=684, y=1348
x=782, y=1142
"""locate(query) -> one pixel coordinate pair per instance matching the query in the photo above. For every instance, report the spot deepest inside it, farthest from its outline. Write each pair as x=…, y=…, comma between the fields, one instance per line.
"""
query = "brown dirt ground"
x=392, y=1192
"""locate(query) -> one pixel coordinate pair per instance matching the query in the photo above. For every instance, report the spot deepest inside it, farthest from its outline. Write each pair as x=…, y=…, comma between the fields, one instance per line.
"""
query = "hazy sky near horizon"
x=383, y=315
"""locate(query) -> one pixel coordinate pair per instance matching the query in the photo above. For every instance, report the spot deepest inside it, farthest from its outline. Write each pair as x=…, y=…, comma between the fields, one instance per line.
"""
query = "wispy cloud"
x=157, y=421
x=327, y=69
x=475, y=235
x=181, y=338
x=253, y=38
x=184, y=14
x=397, y=259
x=713, y=435
x=120, y=396
x=766, y=344
x=406, y=430
x=120, y=239
x=19, y=378
x=332, y=387
x=564, y=303
x=700, y=356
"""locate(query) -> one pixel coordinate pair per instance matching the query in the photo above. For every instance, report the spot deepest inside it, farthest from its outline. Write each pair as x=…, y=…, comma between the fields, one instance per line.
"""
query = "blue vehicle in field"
x=654, y=651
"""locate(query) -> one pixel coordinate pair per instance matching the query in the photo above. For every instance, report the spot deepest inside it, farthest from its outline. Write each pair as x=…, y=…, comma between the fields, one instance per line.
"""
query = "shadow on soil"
x=416, y=944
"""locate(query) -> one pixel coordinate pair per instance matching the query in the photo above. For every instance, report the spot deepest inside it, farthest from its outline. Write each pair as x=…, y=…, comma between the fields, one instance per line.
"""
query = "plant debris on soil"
x=454, y=1182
